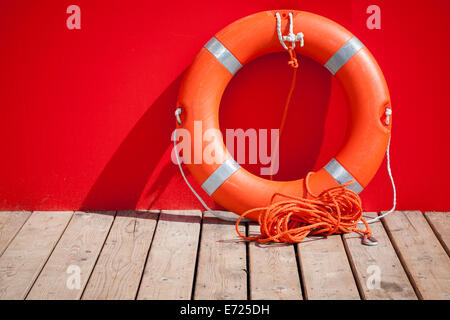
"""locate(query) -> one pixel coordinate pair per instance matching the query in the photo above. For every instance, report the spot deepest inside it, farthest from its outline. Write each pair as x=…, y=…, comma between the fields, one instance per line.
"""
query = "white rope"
x=389, y=170
x=175, y=139
x=291, y=37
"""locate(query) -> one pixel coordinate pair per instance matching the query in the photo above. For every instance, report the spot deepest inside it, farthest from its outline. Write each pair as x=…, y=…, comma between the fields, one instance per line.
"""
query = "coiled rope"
x=334, y=211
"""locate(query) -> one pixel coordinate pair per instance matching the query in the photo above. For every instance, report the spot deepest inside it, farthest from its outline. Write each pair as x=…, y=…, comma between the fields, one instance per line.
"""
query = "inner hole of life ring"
x=252, y=107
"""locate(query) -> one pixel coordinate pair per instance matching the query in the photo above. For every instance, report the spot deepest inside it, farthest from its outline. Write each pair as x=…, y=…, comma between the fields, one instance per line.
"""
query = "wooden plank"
x=74, y=256
x=379, y=272
x=10, y=224
x=273, y=270
x=170, y=268
x=421, y=253
x=440, y=223
x=119, y=268
x=24, y=258
x=325, y=269
x=222, y=266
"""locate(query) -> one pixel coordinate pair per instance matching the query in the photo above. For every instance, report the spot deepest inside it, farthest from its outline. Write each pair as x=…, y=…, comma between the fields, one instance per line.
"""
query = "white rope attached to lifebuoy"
x=388, y=113
x=175, y=139
x=291, y=37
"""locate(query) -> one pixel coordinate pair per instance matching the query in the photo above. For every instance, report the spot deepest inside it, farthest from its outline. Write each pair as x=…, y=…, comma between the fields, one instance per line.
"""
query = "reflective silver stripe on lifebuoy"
x=225, y=57
x=341, y=175
x=218, y=177
x=344, y=54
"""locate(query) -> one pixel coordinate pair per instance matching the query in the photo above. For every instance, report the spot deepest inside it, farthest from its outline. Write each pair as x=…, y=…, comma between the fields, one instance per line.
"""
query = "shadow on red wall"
x=252, y=100
x=128, y=170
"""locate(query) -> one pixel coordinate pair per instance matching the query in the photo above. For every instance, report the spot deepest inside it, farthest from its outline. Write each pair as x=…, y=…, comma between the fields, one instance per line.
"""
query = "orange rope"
x=294, y=64
x=334, y=211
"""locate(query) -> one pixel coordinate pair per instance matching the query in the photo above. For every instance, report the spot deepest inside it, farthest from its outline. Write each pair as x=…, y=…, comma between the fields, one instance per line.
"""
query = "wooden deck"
x=192, y=255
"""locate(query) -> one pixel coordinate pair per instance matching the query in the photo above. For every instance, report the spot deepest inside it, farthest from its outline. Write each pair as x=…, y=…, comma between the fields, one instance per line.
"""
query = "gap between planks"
x=118, y=271
x=10, y=224
x=440, y=223
x=325, y=269
x=69, y=267
x=421, y=253
x=170, y=268
x=378, y=271
x=222, y=267
x=27, y=253
x=273, y=270
x=38, y=268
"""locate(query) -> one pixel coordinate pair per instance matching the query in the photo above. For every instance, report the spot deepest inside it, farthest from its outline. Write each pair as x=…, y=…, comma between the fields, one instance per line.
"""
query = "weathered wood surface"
x=440, y=223
x=326, y=271
x=190, y=255
x=10, y=224
x=119, y=268
x=273, y=270
x=169, y=273
x=423, y=256
x=67, y=271
x=27, y=253
x=379, y=272
x=222, y=268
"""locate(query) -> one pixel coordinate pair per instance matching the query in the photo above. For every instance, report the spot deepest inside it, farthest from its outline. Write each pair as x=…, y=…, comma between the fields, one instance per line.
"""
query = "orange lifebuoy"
x=327, y=43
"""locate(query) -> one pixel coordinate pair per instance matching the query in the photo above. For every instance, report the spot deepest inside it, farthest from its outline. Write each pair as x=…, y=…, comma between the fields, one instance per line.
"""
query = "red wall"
x=86, y=115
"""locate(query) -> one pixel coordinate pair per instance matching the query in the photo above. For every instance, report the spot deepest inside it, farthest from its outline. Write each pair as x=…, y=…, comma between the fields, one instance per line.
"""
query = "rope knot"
x=291, y=37
x=293, y=62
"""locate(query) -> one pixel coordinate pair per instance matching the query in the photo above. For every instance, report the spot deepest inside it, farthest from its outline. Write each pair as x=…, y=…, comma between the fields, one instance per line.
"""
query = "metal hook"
x=388, y=113
x=369, y=241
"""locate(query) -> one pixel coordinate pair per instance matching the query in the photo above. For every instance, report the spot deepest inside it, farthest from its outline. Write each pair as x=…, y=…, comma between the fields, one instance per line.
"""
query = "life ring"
x=329, y=44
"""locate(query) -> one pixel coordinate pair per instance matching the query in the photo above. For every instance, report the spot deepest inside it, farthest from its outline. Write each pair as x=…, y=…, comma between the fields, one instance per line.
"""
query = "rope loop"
x=291, y=37
x=293, y=62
